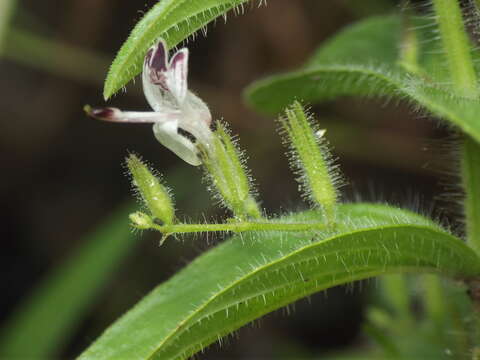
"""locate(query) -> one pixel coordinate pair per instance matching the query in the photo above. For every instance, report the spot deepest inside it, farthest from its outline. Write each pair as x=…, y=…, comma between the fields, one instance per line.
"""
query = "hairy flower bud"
x=311, y=159
x=155, y=196
x=141, y=220
x=225, y=169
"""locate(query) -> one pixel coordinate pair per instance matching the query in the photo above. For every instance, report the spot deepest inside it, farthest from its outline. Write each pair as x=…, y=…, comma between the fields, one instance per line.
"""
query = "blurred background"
x=63, y=176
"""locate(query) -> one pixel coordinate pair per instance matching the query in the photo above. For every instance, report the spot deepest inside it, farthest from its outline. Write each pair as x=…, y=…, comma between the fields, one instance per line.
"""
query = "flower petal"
x=177, y=75
x=154, y=78
x=167, y=134
x=157, y=56
x=117, y=115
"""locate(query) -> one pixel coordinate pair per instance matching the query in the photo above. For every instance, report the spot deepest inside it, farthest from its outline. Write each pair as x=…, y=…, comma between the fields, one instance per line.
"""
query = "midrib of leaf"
x=263, y=270
x=298, y=293
x=119, y=73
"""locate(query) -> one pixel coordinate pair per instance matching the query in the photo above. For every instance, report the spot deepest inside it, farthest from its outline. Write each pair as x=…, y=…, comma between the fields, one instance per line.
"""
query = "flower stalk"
x=457, y=48
x=237, y=227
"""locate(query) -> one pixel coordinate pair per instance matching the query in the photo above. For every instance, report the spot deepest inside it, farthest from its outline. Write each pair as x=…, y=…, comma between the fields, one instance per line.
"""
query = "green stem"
x=456, y=46
x=457, y=49
x=434, y=298
x=238, y=227
x=471, y=184
x=398, y=294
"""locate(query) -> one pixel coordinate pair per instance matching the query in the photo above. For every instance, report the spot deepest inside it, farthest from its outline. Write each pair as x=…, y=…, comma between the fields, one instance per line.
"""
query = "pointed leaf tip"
x=173, y=20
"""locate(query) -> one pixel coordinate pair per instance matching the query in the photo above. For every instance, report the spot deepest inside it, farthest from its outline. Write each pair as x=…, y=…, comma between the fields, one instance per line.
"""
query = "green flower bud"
x=311, y=160
x=225, y=169
x=155, y=196
x=141, y=220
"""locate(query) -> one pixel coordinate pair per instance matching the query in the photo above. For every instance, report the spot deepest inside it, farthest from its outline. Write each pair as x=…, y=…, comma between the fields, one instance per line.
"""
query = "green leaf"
x=46, y=320
x=321, y=83
x=374, y=40
x=360, y=60
x=256, y=273
x=173, y=20
x=341, y=68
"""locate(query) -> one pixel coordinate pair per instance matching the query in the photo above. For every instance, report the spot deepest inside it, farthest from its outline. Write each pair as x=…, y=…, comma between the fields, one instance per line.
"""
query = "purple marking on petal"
x=159, y=78
x=178, y=72
x=148, y=56
x=179, y=56
x=102, y=113
x=158, y=61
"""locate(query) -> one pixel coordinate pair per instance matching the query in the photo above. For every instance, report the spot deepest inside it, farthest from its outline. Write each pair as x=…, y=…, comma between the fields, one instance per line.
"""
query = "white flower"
x=177, y=113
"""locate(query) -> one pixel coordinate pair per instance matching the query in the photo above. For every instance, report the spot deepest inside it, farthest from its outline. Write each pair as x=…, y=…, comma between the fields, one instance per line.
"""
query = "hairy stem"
x=457, y=49
x=471, y=184
x=238, y=227
x=456, y=46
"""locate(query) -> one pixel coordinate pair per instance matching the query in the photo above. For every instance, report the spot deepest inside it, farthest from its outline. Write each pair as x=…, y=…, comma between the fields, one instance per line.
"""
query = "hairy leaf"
x=342, y=68
x=251, y=275
x=173, y=20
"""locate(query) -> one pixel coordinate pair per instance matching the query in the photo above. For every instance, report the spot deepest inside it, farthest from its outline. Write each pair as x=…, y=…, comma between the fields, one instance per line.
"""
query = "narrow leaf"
x=249, y=276
x=341, y=69
x=173, y=20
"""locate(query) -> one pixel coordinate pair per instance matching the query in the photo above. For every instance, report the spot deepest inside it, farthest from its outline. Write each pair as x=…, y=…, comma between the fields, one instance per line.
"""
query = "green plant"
x=270, y=262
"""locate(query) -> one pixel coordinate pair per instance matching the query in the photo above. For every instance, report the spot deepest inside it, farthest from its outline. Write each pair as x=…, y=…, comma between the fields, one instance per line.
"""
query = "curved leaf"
x=251, y=275
x=340, y=69
x=173, y=20
x=360, y=60
x=322, y=83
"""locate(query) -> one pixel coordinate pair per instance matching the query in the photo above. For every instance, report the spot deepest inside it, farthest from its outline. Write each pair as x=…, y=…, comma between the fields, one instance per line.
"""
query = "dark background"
x=63, y=174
